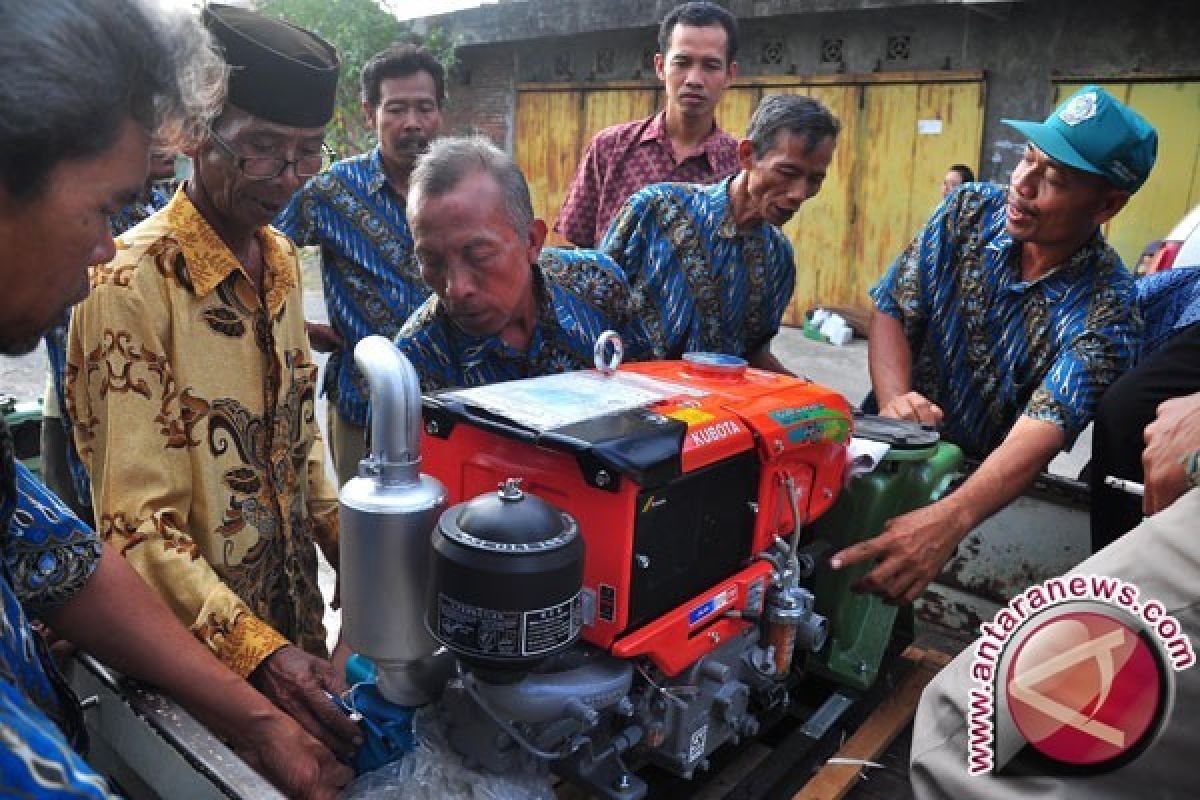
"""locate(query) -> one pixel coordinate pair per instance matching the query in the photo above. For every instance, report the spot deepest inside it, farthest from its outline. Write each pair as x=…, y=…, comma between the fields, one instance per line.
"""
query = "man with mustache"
x=697, y=45
x=503, y=306
x=88, y=84
x=709, y=266
x=191, y=384
x=1004, y=321
x=355, y=212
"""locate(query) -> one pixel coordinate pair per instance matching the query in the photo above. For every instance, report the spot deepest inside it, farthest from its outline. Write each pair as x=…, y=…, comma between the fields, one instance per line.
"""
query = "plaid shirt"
x=988, y=346
x=624, y=158
x=699, y=283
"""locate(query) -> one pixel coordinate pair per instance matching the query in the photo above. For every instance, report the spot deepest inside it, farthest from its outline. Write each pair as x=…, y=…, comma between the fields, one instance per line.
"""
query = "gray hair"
x=452, y=159
x=75, y=70
x=793, y=113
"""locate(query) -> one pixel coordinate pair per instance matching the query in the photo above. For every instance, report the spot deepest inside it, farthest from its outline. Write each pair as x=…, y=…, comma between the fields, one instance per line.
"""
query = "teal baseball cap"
x=1095, y=132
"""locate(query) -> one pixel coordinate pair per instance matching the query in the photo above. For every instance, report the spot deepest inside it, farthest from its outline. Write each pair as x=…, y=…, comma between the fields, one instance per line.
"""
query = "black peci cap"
x=277, y=71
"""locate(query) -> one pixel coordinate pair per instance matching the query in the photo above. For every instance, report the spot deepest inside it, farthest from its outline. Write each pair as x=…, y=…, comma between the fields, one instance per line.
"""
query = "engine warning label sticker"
x=816, y=424
x=482, y=631
x=692, y=416
x=697, y=742
x=716, y=603
x=545, y=629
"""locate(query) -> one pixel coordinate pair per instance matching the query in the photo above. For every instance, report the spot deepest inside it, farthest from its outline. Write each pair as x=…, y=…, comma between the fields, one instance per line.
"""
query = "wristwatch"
x=1191, y=467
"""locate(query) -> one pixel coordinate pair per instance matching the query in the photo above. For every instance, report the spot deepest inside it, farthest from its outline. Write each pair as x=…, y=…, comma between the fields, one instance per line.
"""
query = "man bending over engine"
x=503, y=307
x=709, y=266
x=1003, y=323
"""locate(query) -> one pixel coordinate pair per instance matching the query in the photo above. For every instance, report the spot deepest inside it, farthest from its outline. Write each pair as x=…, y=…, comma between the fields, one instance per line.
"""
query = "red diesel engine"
x=683, y=479
x=674, y=499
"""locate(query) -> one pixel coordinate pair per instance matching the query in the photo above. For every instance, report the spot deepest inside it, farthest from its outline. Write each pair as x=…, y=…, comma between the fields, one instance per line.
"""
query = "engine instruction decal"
x=552, y=401
x=481, y=631
x=813, y=424
x=546, y=629
x=718, y=602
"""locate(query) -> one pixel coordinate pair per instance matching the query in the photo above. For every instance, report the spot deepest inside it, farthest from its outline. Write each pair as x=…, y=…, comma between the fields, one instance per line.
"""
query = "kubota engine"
x=623, y=567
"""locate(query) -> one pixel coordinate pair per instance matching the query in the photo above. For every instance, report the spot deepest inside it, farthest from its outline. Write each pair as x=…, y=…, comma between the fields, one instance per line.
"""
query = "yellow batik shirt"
x=193, y=404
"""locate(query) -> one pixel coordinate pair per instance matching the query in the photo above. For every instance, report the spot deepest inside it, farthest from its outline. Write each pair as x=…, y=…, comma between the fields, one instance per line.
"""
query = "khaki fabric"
x=193, y=401
x=347, y=444
x=1162, y=558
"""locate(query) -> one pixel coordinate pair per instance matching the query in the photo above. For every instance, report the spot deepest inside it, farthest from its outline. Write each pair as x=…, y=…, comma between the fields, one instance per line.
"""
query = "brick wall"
x=482, y=95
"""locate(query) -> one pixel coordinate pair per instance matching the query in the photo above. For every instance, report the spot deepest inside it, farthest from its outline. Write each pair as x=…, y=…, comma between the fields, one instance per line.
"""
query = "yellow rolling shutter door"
x=897, y=140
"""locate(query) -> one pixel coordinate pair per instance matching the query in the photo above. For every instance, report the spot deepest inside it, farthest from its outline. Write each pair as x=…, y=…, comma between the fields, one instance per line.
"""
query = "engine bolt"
x=623, y=783
x=603, y=478
x=432, y=428
x=715, y=636
x=643, y=561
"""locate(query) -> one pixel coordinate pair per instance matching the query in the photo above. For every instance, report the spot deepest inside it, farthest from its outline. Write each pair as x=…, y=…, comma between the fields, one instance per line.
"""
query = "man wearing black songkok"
x=191, y=384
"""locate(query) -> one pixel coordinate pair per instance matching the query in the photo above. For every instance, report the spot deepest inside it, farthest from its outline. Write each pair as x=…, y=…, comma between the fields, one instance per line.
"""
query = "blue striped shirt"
x=988, y=346
x=580, y=294
x=370, y=274
x=1168, y=302
x=698, y=282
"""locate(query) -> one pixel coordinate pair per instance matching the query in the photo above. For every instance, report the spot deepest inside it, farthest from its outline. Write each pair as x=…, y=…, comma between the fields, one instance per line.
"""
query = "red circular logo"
x=1084, y=688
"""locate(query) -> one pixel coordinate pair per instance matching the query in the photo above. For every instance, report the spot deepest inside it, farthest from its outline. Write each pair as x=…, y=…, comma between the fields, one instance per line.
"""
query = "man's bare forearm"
x=1007, y=472
x=121, y=621
x=889, y=358
x=763, y=358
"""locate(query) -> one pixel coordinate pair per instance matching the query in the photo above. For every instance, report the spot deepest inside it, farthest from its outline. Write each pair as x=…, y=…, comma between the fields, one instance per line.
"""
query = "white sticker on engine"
x=696, y=746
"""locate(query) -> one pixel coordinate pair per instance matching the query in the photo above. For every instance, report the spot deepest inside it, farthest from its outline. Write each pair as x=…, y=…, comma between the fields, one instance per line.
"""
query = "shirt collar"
x=1070, y=270
x=656, y=131
x=482, y=346
x=719, y=194
x=376, y=176
x=210, y=261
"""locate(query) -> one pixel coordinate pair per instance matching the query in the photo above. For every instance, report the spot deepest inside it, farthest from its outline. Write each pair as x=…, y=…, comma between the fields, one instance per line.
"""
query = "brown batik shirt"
x=192, y=397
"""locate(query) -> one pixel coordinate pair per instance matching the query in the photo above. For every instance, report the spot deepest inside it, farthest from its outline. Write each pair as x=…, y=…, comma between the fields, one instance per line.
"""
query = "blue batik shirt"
x=371, y=277
x=988, y=346
x=580, y=294
x=1168, y=302
x=56, y=338
x=47, y=557
x=698, y=282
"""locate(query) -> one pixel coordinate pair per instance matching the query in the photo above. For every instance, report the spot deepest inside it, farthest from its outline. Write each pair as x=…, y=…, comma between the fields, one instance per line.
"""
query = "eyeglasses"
x=264, y=168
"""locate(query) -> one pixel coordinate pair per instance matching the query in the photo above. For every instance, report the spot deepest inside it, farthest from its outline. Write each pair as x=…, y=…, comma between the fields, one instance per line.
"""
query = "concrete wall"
x=1023, y=46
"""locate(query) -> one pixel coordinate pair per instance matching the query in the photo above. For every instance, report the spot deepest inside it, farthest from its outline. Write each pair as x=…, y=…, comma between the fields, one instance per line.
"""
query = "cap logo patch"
x=1081, y=108
x=1121, y=171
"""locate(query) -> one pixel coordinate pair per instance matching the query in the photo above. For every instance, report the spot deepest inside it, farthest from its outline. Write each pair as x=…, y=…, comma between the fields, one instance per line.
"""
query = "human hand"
x=322, y=338
x=1174, y=433
x=341, y=654
x=296, y=682
x=915, y=407
x=295, y=762
x=911, y=551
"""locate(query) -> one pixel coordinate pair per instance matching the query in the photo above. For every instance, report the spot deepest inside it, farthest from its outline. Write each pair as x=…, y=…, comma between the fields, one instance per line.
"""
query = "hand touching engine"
x=297, y=682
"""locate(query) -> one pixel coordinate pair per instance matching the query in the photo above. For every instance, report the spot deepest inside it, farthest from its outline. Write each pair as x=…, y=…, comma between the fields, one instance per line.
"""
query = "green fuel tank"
x=916, y=471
